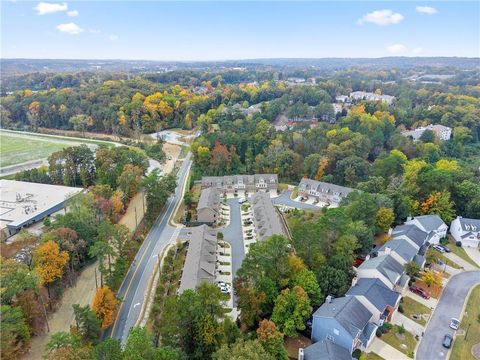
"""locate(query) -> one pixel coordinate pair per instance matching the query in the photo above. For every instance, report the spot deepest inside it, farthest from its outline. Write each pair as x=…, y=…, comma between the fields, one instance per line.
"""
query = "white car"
x=455, y=324
x=242, y=200
x=439, y=248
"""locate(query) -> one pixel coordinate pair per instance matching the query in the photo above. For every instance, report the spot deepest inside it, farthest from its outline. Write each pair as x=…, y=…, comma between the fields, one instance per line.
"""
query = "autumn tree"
x=292, y=308
x=15, y=278
x=129, y=180
x=80, y=122
x=271, y=339
x=49, y=262
x=439, y=203
x=14, y=331
x=306, y=280
x=104, y=305
x=34, y=114
x=384, y=218
x=431, y=277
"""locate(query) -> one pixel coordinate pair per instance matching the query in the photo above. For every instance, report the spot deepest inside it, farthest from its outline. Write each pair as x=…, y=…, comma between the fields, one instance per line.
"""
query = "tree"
x=244, y=350
x=306, y=280
x=384, y=218
x=62, y=339
x=15, y=331
x=428, y=136
x=80, y=122
x=139, y=345
x=49, y=262
x=432, y=278
x=109, y=349
x=333, y=281
x=412, y=269
x=15, y=278
x=291, y=309
x=439, y=203
x=271, y=339
x=87, y=324
x=129, y=180
x=34, y=114
x=104, y=305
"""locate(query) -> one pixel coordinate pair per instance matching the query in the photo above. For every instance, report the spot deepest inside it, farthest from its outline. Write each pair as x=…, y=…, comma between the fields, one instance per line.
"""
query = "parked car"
x=439, y=248
x=447, y=341
x=242, y=200
x=420, y=292
x=446, y=248
x=455, y=324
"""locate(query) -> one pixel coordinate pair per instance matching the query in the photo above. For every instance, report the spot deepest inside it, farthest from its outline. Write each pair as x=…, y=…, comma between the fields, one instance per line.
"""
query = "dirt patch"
x=172, y=153
x=293, y=344
x=434, y=291
x=135, y=211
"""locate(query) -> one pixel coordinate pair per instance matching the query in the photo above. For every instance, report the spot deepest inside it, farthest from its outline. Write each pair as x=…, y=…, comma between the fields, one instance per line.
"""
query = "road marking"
x=134, y=306
x=139, y=262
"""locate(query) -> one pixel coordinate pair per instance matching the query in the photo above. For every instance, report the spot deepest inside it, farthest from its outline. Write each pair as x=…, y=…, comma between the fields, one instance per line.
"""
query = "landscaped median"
x=467, y=340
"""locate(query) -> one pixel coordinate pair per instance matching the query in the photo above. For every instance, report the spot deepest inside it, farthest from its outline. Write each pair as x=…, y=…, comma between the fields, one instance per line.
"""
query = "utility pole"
x=96, y=281
x=466, y=332
x=136, y=221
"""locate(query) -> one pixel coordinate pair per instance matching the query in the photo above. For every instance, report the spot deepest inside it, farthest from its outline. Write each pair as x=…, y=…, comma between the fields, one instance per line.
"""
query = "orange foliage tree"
x=104, y=305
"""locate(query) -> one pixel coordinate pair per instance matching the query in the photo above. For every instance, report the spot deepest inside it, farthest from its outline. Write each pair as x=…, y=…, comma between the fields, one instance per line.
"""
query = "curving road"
x=450, y=305
x=133, y=290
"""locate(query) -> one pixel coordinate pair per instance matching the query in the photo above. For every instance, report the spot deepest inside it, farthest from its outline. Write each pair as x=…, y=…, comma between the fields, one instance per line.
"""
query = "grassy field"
x=392, y=339
x=373, y=356
x=411, y=307
x=459, y=251
x=461, y=347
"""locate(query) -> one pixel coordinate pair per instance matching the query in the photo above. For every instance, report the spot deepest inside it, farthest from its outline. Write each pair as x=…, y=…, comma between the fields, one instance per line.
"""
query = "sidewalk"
x=473, y=253
x=430, y=303
x=386, y=351
x=457, y=259
x=409, y=325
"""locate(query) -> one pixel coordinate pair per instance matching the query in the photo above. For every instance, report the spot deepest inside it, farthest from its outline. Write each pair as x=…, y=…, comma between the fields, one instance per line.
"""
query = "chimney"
x=388, y=250
x=354, y=281
x=301, y=355
x=328, y=299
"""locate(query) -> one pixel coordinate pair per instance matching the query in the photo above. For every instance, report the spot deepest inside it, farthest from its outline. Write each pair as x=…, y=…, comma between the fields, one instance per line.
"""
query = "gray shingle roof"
x=367, y=333
x=386, y=265
x=209, y=198
x=376, y=292
x=349, y=313
x=429, y=222
x=309, y=184
x=470, y=224
x=266, y=219
x=401, y=247
x=413, y=232
x=326, y=350
x=201, y=257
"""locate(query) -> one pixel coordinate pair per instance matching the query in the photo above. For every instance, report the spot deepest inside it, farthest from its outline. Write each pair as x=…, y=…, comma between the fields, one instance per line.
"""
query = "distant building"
x=467, y=231
x=249, y=183
x=201, y=258
x=341, y=98
x=208, y=207
x=344, y=321
x=362, y=95
x=321, y=191
x=433, y=225
x=441, y=132
x=324, y=350
x=25, y=203
x=266, y=219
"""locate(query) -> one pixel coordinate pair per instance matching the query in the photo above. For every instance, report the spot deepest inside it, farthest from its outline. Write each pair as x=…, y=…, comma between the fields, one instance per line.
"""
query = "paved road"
x=134, y=286
x=284, y=199
x=233, y=234
x=450, y=305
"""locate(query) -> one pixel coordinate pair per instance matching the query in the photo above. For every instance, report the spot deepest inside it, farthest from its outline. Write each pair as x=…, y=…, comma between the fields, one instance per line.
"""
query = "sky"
x=197, y=31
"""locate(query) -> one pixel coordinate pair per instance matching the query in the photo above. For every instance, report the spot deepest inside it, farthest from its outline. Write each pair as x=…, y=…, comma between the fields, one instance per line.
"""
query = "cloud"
x=381, y=17
x=44, y=8
x=397, y=49
x=94, y=31
x=426, y=10
x=72, y=13
x=417, y=51
x=113, y=37
x=69, y=28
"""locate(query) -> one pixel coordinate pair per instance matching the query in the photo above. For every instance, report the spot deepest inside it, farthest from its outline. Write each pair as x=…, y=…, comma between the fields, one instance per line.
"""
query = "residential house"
x=386, y=269
x=402, y=251
x=362, y=95
x=467, y=231
x=266, y=219
x=412, y=234
x=330, y=194
x=208, y=207
x=441, y=132
x=344, y=321
x=379, y=299
x=433, y=225
x=235, y=183
x=201, y=258
x=324, y=350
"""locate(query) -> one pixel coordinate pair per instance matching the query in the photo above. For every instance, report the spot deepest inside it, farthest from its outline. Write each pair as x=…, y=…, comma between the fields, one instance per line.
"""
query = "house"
x=235, y=183
x=433, y=225
x=208, y=207
x=441, y=132
x=412, y=234
x=330, y=194
x=266, y=219
x=402, y=251
x=362, y=95
x=467, y=231
x=344, y=321
x=341, y=98
x=380, y=300
x=386, y=269
x=201, y=258
x=324, y=350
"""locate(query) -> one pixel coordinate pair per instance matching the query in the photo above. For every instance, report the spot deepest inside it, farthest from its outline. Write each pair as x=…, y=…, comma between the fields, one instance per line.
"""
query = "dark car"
x=446, y=248
x=420, y=292
x=447, y=341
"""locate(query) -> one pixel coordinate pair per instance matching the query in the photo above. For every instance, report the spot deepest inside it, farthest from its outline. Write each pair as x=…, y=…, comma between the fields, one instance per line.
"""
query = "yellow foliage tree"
x=322, y=165
x=117, y=202
x=49, y=262
x=384, y=218
x=432, y=278
x=104, y=305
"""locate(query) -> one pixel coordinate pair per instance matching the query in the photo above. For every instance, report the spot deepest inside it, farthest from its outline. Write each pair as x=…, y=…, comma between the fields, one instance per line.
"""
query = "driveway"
x=284, y=199
x=233, y=235
x=450, y=305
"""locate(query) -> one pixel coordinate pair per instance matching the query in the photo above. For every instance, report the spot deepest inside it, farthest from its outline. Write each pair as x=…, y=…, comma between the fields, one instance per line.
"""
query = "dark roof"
x=386, y=265
x=419, y=260
x=209, y=198
x=326, y=350
x=267, y=221
x=376, y=292
x=324, y=187
x=367, y=333
x=402, y=247
x=411, y=231
x=429, y=222
x=469, y=224
x=348, y=311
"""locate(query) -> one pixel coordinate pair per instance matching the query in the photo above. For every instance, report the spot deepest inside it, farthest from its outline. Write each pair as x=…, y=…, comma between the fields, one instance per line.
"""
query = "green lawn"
x=14, y=150
x=411, y=307
x=373, y=356
x=459, y=251
x=471, y=321
x=391, y=339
